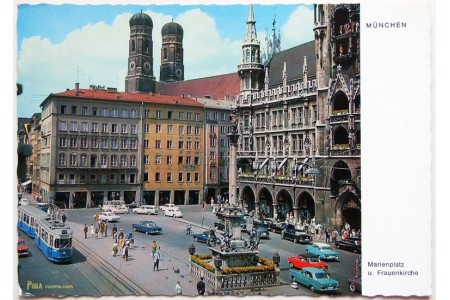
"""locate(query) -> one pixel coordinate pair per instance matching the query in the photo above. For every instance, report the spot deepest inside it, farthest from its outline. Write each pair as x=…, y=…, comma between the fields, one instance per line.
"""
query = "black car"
x=262, y=231
x=275, y=227
x=349, y=244
x=295, y=235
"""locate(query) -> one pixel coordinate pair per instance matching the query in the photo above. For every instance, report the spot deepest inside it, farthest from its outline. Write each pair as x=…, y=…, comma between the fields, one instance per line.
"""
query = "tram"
x=50, y=234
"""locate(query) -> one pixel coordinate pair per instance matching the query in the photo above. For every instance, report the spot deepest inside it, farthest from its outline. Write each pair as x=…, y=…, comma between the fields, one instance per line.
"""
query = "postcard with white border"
x=223, y=148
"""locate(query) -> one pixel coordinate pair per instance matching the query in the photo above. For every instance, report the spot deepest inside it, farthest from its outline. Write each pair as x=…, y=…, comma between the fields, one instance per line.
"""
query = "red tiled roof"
x=132, y=97
x=216, y=87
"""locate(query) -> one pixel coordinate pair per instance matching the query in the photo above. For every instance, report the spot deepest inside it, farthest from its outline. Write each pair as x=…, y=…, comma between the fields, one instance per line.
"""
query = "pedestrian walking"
x=125, y=251
x=106, y=229
x=63, y=217
x=178, y=289
x=121, y=243
x=102, y=228
x=115, y=249
x=154, y=247
x=96, y=232
x=327, y=235
x=156, y=258
x=85, y=230
x=92, y=230
x=201, y=286
x=114, y=231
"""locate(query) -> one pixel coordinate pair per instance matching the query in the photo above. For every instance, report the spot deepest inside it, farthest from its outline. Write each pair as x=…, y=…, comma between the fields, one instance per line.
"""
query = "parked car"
x=262, y=231
x=277, y=227
x=132, y=205
x=43, y=206
x=107, y=216
x=146, y=209
x=173, y=212
x=322, y=250
x=167, y=206
x=203, y=237
x=349, y=244
x=147, y=227
x=119, y=209
x=295, y=235
x=306, y=261
x=354, y=284
x=315, y=279
x=23, y=202
x=22, y=247
x=266, y=222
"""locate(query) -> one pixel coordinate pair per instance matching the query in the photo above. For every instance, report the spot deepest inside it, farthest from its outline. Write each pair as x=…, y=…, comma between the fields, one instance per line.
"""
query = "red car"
x=303, y=261
x=22, y=247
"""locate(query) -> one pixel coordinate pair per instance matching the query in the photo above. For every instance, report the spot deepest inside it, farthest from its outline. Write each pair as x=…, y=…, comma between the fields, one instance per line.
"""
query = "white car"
x=119, y=209
x=173, y=212
x=107, y=216
x=167, y=206
x=146, y=209
x=23, y=201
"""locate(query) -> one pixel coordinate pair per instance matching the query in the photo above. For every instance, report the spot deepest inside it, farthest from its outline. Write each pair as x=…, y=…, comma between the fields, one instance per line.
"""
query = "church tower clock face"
x=178, y=72
x=147, y=66
x=132, y=64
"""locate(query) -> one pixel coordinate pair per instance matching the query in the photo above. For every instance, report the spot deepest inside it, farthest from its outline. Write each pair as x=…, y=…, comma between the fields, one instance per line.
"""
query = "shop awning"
x=26, y=183
x=263, y=164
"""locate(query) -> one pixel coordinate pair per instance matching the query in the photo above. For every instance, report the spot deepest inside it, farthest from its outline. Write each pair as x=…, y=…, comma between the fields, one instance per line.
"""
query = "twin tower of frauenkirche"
x=140, y=76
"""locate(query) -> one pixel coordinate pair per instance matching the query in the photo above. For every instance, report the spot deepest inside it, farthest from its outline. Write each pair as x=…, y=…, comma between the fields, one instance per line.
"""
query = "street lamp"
x=191, y=249
x=276, y=258
x=218, y=263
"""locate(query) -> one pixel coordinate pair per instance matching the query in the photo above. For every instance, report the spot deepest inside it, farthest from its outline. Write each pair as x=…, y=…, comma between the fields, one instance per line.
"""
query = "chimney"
x=77, y=87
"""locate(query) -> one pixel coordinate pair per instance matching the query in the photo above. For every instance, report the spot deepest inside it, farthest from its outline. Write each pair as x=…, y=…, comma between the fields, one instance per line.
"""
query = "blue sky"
x=59, y=45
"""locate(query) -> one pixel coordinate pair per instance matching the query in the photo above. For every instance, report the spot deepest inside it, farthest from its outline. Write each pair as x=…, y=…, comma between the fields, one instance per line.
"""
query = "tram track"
x=112, y=282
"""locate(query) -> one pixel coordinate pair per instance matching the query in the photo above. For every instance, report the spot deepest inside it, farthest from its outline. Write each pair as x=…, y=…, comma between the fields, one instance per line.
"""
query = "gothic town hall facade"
x=299, y=147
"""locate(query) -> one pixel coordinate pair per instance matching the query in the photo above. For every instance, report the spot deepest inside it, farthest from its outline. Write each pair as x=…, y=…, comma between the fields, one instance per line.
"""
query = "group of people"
x=100, y=229
x=345, y=233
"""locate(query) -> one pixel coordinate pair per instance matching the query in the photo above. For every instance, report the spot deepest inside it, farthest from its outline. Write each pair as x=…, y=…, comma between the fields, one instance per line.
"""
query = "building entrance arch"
x=306, y=207
x=248, y=198
x=348, y=210
x=284, y=205
x=265, y=203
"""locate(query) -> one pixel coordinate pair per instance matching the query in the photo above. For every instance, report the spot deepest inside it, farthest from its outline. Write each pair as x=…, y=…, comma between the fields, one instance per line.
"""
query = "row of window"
x=104, y=127
x=125, y=178
x=181, y=129
x=96, y=111
x=169, y=177
x=169, y=160
x=95, y=161
x=94, y=143
x=170, y=115
x=169, y=144
x=81, y=178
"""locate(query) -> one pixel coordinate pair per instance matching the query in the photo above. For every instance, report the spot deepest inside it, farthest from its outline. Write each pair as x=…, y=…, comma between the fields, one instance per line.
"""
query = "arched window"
x=123, y=161
x=114, y=160
x=133, y=46
x=83, y=160
x=147, y=48
x=247, y=56
x=73, y=159
x=103, y=160
x=340, y=137
x=340, y=103
x=165, y=53
x=93, y=161
x=62, y=159
x=133, y=160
